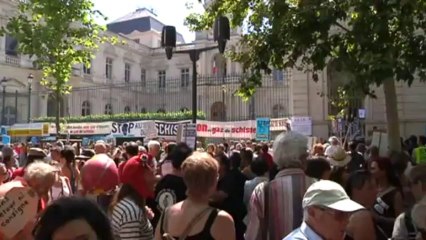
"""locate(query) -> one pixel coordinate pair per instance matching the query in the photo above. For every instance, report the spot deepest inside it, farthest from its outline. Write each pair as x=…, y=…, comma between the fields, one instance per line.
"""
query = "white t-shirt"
x=330, y=150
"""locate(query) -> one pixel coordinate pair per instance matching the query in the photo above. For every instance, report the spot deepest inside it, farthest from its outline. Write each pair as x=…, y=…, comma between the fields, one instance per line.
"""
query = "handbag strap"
x=188, y=227
x=193, y=221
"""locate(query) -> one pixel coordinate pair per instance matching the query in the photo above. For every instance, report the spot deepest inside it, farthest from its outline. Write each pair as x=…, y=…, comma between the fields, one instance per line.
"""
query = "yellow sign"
x=29, y=130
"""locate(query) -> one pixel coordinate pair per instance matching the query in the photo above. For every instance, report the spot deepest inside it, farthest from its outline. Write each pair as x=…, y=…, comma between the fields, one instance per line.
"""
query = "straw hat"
x=37, y=152
x=338, y=157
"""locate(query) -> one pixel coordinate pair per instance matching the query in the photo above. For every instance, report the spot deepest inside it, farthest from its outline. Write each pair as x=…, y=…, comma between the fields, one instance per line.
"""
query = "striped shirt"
x=130, y=222
x=285, y=205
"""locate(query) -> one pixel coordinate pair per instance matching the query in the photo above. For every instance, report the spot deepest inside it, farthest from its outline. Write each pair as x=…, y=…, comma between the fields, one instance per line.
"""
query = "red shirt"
x=18, y=173
x=269, y=160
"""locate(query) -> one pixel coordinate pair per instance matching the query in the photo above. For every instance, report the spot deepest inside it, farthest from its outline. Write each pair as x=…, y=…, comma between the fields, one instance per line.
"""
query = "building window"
x=143, y=110
x=108, y=109
x=143, y=77
x=137, y=40
x=127, y=109
x=10, y=115
x=162, y=79
x=184, y=77
x=278, y=111
x=11, y=46
x=127, y=68
x=278, y=75
x=87, y=70
x=85, y=108
x=108, y=68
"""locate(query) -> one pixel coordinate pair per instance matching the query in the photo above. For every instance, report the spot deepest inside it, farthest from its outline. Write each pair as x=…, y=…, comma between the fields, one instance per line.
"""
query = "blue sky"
x=170, y=12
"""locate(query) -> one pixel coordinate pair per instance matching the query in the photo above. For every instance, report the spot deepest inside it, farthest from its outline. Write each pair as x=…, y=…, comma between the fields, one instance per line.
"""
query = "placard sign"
x=102, y=128
x=262, y=129
x=302, y=125
x=146, y=129
x=279, y=124
x=17, y=208
x=168, y=130
x=190, y=134
x=238, y=130
x=5, y=139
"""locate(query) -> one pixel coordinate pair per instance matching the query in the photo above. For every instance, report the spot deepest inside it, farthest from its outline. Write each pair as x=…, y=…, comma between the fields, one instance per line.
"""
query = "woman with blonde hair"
x=193, y=218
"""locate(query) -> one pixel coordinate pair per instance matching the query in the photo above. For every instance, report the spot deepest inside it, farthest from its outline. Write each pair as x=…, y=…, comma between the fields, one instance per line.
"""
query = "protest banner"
x=18, y=206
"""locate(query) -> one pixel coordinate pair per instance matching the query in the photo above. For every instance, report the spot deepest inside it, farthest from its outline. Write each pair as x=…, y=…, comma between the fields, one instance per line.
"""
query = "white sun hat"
x=338, y=157
x=331, y=195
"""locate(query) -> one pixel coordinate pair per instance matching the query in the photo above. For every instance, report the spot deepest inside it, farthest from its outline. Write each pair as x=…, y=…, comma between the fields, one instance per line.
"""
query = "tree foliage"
x=374, y=40
x=58, y=35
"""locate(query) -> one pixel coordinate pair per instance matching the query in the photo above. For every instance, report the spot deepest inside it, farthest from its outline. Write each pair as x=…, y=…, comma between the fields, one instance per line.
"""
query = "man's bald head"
x=100, y=148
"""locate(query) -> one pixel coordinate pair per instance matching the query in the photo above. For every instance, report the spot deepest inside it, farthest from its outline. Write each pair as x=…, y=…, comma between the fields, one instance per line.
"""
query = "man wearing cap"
x=326, y=212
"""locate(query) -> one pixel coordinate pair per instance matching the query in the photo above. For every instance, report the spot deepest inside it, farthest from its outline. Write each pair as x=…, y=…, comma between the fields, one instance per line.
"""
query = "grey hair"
x=153, y=143
x=39, y=171
x=288, y=148
x=418, y=214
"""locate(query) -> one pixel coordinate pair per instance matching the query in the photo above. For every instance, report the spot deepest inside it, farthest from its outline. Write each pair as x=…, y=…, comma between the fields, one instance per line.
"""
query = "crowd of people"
x=234, y=190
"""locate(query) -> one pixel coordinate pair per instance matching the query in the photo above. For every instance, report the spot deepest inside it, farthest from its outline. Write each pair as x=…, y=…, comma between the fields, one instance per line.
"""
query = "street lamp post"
x=3, y=105
x=168, y=41
x=30, y=82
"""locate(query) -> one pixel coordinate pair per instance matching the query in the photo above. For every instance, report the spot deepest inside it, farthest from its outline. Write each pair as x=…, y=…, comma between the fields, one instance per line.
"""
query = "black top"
x=384, y=207
x=170, y=190
x=233, y=185
x=204, y=234
x=357, y=162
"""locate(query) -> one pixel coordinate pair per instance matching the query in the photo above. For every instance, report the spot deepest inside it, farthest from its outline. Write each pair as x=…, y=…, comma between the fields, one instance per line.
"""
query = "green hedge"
x=122, y=117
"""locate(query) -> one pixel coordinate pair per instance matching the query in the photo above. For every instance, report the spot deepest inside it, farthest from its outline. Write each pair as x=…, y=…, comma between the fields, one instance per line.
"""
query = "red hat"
x=133, y=174
x=99, y=174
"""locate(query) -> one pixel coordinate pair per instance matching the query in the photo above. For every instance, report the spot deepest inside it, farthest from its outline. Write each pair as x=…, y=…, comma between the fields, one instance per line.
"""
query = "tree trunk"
x=392, y=118
x=58, y=113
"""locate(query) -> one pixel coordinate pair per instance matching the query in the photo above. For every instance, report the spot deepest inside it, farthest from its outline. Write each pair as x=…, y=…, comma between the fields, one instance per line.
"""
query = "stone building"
x=137, y=77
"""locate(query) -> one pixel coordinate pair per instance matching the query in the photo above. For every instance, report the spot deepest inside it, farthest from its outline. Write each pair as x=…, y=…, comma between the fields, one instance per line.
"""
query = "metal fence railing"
x=215, y=97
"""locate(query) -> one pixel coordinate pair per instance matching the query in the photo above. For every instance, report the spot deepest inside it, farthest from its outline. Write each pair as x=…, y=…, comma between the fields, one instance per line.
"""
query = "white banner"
x=102, y=128
x=240, y=130
x=169, y=130
x=145, y=129
x=302, y=125
x=279, y=124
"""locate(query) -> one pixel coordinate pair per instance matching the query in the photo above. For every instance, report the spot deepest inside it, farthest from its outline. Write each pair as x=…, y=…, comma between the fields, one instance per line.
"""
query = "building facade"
x=137, y=77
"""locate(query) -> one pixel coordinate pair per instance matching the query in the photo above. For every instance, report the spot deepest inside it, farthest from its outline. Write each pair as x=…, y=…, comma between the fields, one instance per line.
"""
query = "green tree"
x=58, y=35
x=379, y=41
